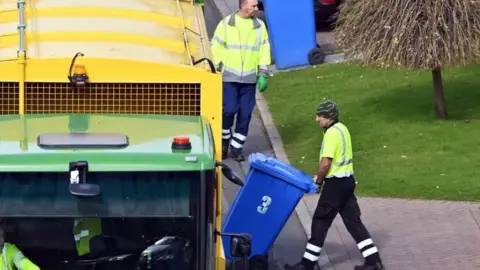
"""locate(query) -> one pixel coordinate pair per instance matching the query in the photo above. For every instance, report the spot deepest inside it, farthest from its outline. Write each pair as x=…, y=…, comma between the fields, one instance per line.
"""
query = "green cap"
x=328, y=109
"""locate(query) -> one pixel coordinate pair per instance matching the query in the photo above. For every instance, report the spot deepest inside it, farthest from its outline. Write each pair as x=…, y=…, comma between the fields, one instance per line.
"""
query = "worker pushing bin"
x=264, y=204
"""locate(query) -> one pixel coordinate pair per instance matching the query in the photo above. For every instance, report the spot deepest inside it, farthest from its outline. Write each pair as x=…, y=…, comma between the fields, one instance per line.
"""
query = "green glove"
x=262, y=83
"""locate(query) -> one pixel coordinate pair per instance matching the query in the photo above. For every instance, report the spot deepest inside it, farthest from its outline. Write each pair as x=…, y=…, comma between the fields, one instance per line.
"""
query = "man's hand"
x=325, y=164
x=319, y=185
x=316, y=181
x=262, y=83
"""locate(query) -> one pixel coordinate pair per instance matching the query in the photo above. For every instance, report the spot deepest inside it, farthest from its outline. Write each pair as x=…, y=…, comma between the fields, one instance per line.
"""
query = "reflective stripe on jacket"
x=241, y=62
x=13, y=258
x=85, y=229
x=337, y=145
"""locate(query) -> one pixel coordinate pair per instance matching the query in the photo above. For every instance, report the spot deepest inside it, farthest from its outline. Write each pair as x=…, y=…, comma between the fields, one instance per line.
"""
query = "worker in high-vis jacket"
x=12, y=258
x=84, y=229
x=241, y=51
x=337, y=196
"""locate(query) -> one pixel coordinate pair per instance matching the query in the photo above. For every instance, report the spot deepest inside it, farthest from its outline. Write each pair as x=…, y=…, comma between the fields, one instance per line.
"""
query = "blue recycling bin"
x=292, y=31
x=263, y=205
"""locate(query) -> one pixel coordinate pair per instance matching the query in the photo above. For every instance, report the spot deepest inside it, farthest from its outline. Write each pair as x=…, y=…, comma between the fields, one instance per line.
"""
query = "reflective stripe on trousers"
x=312, y=252
x=367, y=247
x=226, y=135
x=236, y=141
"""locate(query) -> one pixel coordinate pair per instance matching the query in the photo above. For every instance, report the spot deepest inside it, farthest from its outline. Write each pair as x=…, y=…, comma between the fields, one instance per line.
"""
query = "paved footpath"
x=411, y=234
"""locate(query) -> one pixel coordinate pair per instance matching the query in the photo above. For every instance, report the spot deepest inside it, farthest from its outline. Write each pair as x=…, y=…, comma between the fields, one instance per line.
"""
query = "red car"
x=324, y=11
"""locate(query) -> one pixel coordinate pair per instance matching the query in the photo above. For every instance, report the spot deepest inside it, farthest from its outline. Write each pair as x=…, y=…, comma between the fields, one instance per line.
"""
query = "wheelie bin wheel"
x=259, y=262
x=316, y=56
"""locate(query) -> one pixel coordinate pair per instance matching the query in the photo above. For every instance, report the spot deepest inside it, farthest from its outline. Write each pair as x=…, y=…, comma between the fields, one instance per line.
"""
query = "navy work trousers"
x=239, y=100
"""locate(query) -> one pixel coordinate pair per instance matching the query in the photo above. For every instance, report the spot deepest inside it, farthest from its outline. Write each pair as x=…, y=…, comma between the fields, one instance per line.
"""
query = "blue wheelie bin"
x=263, y=205
x=292, y=33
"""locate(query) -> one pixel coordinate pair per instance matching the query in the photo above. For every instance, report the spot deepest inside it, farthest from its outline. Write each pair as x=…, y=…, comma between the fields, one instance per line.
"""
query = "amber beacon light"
x=181, y=143
x=79, y=78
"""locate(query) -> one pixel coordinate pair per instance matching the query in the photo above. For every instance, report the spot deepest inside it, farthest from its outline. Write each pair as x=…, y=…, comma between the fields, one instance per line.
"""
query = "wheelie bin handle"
x=229, y=173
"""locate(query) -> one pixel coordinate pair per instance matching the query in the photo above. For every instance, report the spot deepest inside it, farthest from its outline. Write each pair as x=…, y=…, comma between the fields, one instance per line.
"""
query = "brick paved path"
x=411, y=234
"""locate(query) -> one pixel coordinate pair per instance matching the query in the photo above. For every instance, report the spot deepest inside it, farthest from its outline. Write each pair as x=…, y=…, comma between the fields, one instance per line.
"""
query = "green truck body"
x=148, y=190
x=150, y=147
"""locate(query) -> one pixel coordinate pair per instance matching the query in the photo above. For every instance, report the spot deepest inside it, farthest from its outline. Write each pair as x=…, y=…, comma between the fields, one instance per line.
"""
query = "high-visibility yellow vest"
x=241, y=49
x=12, y=258
x=85, y=229
x=337, y=145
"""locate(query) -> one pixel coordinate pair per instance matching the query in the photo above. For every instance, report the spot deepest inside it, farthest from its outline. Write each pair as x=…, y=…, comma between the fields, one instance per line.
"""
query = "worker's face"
x=322, y=121
x=249, y=7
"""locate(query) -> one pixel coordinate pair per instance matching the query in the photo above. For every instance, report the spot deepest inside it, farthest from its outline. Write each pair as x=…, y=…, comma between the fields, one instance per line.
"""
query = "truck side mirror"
x=241, y=246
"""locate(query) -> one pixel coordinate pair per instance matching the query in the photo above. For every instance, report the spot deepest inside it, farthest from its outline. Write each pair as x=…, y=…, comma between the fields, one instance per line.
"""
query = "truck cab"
x=148, y=181
x=111, y=114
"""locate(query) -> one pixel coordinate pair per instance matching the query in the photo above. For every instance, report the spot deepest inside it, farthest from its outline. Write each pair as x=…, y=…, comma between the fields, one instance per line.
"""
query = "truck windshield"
x=134, y=211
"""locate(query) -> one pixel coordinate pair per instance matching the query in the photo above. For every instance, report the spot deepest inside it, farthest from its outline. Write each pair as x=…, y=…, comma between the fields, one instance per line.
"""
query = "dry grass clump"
x=417, y=34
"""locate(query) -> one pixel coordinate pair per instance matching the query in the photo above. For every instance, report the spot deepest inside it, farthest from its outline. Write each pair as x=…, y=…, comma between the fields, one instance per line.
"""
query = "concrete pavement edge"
x=276, y=141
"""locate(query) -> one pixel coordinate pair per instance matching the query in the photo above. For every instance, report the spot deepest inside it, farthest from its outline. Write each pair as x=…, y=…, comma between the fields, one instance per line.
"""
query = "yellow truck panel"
x=164, y=31
x=140, y=57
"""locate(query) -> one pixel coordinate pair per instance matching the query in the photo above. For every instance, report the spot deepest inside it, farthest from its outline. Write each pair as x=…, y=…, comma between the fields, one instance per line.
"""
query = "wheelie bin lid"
x=283, y=171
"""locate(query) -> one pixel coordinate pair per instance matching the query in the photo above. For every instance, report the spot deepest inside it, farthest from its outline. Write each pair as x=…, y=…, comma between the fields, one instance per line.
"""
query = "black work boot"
x=298, y=266
x=225, y=146
x=376, y=266
x=237, y=154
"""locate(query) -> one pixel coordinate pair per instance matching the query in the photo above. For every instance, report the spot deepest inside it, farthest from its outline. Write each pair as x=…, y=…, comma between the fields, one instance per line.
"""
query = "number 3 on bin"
x=266, y=201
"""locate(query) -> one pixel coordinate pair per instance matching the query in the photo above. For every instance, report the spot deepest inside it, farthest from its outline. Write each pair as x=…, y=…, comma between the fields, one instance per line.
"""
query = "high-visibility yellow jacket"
x=241, y=49
x=12, y=258
x=85, y=229
x=337, y=145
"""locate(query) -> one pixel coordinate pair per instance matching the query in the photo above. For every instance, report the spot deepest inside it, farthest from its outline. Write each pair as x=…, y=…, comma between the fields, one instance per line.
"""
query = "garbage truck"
x=110, y=150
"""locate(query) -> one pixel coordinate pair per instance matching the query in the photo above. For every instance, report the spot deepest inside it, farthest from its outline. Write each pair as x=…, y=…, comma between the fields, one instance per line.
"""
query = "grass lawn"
x=400, y=149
